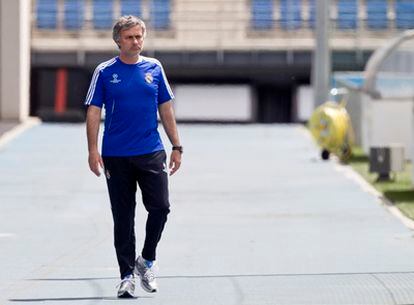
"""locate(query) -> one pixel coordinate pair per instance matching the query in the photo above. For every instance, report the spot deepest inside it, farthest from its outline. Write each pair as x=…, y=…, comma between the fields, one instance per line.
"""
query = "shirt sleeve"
x=165, y=93
x=95, y=93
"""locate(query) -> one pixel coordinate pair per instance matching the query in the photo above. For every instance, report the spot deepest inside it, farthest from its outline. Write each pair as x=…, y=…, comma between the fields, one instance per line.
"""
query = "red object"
x=61, y=90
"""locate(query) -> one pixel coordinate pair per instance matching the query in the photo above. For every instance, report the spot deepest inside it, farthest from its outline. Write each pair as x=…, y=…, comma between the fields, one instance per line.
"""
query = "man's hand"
x=93, y=119
x=175, y=161
x=95, y=163
x=166, y=112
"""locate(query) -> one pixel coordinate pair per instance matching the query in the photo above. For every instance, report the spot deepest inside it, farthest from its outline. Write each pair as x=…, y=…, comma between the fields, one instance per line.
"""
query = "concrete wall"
x=304, y=104
x=214, y=103
x=386, y=122
x=14, y=59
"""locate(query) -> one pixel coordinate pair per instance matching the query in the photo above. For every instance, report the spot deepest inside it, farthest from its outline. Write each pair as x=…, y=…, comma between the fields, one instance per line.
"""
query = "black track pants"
x=122, y=175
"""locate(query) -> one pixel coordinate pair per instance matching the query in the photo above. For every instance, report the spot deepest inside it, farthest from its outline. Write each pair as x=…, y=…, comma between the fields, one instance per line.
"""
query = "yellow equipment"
x=331, y=128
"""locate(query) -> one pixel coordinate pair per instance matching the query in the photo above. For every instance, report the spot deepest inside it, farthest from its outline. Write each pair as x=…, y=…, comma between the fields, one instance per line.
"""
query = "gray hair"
x=125, y=23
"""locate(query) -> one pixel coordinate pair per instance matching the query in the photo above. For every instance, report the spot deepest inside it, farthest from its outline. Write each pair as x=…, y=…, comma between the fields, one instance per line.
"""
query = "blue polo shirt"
x=130, y=94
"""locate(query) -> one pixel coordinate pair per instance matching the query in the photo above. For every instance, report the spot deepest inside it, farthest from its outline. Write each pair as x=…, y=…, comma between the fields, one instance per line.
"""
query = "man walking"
x=132, y=88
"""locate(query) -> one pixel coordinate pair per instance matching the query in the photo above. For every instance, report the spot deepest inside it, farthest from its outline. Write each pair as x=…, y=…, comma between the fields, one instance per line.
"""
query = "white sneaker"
x=147, y=276
x=127, y=287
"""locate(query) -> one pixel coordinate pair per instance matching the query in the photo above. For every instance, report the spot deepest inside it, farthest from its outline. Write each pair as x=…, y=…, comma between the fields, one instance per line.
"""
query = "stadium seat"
x=377, y=14
x=347, y=14
x=102, y=14
x=262, y=14
x=46, y=12
x=73, y=14
x=404, y=11
x=312, y=14
x=131, y=7
x=160, y=14
x=290, y=14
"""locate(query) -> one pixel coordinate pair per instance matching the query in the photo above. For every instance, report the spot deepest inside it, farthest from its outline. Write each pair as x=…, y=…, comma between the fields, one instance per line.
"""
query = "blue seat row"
x=102, y=14
x=46, y=12
x=404, y=14
x=347, y=14
x=312, y=13
x=73, y=14
x=377, y=14
x=131, y=7
x=290, y=14
x=262, y=14
x=160, y=12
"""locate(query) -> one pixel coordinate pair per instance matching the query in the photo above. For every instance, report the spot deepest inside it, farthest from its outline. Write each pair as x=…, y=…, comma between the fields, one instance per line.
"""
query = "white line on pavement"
x=5, y=235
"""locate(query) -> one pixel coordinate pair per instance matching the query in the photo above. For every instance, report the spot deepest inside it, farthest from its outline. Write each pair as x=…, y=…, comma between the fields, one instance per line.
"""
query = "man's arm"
x=168, y=121
x=93, y=120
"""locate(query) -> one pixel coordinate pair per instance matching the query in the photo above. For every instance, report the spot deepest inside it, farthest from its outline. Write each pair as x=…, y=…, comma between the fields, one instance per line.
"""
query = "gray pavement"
x=256, y=219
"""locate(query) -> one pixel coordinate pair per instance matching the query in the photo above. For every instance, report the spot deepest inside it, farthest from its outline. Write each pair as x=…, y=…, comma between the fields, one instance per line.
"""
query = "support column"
x=321, y=66
x=15, y=20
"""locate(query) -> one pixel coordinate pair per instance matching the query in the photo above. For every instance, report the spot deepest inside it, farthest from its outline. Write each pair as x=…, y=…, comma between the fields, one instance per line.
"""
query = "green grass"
x=398, y=190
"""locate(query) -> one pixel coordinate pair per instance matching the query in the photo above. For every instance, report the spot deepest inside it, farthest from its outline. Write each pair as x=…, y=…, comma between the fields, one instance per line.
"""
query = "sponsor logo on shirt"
x=148, y=78
x=115, y=79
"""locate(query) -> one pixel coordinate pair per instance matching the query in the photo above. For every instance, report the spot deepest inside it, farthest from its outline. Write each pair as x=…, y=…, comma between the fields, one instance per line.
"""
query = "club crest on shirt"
x=115, y=79
x=148, y=78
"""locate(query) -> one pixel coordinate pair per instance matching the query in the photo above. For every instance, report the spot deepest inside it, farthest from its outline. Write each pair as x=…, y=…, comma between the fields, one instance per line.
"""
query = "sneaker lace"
x=149, y=275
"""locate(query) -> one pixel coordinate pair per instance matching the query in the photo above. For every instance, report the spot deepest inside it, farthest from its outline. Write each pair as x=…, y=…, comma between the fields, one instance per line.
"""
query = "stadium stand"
x=262, y=17
x=290, y=14
x=312, y=14
x=206, y=41
x=160, y=14
x=404, y=14
x=376, y=14
x=46, y=13
x=262, y=14
x=131, y=7
x=187, y=19
x=73, y=14
x=347, y=14
x=102, y=14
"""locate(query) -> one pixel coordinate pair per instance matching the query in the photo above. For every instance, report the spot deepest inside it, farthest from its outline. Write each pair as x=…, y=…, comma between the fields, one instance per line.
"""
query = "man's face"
x=131, y=41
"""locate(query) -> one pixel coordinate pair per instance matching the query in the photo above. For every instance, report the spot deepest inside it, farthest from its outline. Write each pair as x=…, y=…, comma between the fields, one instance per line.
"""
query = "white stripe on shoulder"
x=95, y=76
x=153, y=60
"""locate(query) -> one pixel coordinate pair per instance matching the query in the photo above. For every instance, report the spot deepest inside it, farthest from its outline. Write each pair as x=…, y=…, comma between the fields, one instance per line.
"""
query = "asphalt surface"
x=256, y=219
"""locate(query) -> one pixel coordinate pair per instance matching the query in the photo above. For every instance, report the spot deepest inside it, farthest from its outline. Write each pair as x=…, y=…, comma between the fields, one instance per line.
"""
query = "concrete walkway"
x=256, y=219
x=6, y=126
